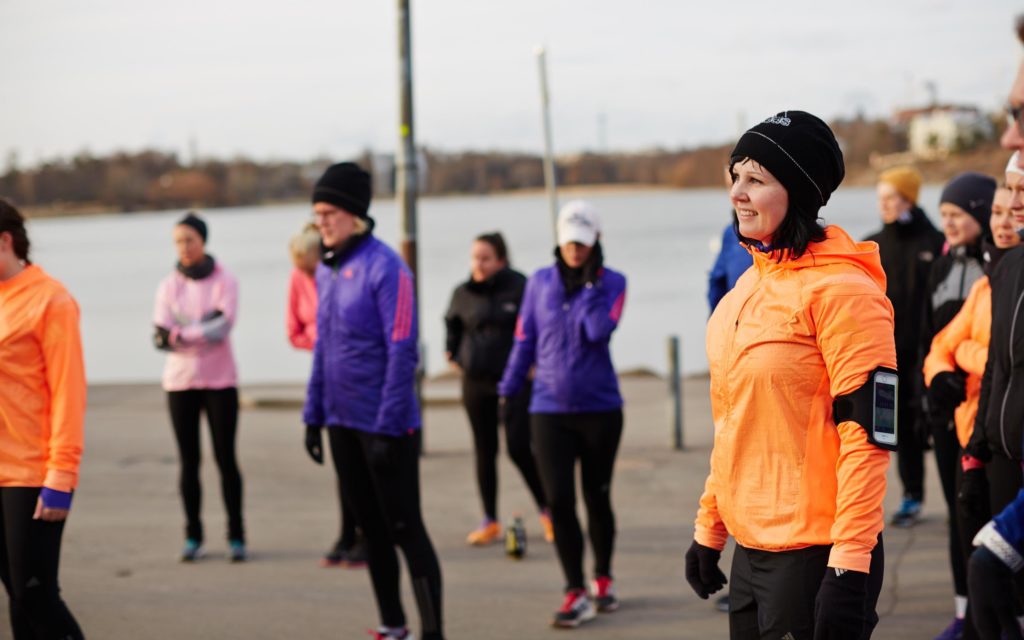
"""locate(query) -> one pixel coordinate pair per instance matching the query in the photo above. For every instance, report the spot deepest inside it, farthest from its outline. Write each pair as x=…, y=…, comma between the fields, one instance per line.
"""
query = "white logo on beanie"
x=783, y=121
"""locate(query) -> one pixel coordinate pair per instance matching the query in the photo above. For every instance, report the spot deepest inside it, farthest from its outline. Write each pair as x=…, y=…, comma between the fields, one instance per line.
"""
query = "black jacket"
x=951, y=278
x=481, y=322
x=998, y=427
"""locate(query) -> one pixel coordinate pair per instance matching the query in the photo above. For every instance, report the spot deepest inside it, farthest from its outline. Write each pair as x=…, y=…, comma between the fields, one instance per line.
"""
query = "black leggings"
x=348, y=536
x=29, y=557
x=381, y=480
x=480, y=397
x=772, y=593
x=221, y=406
x=558, y=441
x=947, y=459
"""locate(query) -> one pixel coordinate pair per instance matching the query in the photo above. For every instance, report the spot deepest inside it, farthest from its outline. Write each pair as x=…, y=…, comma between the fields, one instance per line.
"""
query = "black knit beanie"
x=800, y=150
x=194, y=221
x=347, y=186
x=972, y=192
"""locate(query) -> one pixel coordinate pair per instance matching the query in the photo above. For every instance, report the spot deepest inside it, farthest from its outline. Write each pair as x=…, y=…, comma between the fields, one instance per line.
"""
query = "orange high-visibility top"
x=42, y=383
x=789, y=338
x=963, y=344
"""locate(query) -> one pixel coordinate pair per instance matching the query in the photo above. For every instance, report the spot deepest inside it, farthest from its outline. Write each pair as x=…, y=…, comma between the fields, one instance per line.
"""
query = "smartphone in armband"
x=885, y=408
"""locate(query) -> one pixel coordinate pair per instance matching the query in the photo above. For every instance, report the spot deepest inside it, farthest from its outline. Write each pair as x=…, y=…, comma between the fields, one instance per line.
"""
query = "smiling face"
x=891, y=204
x=760, y=201
x=484, y=261
x=335, y=224
x=959, y=226
x=189, y=245
x=1004, y=227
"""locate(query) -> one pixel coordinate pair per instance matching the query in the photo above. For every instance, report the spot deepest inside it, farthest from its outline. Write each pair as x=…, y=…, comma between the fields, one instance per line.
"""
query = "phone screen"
x=885, y=408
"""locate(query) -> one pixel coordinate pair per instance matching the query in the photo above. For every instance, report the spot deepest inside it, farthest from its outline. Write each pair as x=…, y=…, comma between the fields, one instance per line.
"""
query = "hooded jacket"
x=199, y=314
x=730, y=264
x=42, y=383
x=300, y=320
x=963, y=345
x=481, y=324
x=567, y=337
x=793, y=335
x=998, y=426
x=365, y=356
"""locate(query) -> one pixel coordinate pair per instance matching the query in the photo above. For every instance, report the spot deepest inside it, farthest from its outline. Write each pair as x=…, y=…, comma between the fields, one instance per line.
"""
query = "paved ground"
x=122, y=580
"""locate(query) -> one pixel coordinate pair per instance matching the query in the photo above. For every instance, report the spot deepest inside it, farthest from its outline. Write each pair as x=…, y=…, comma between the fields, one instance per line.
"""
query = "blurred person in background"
x=731, y=262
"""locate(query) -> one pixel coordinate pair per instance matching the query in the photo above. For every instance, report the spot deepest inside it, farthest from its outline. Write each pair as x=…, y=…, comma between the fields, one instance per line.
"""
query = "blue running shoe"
x=908, y=514
x=237, y=553
x=955, y=630
x=193, y=550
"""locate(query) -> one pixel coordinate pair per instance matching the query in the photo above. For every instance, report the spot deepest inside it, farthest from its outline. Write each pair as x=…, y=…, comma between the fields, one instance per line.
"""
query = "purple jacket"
x=568, y=341
x=365, y=355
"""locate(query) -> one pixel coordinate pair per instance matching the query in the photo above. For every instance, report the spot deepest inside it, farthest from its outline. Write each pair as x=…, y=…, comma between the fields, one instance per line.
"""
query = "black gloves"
x=702, y=570
x=162, y=339
x=315, y=443
x=973, y=497
x=992, y=596
x=947, y=391
x=839, y=609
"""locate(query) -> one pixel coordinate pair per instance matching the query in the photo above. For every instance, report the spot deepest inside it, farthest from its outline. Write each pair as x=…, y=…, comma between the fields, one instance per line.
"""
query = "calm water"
x=662, y=240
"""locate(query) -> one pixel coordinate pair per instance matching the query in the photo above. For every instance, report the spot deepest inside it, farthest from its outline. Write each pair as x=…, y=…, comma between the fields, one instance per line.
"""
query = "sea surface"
x=664, y=241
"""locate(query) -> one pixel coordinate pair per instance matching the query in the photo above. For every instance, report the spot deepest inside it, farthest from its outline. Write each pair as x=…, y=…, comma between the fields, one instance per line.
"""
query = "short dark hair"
x=12, y=222
x=497, y=241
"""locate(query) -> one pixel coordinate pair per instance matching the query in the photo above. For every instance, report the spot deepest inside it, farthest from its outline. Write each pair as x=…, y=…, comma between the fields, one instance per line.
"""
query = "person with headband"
x=908, y=244
x=569, y=312
x=803, y=398
x=195, y=310
x=956, y=360
x=349, y=550
x=363, y=391
x=42, y=417
x=480, y=324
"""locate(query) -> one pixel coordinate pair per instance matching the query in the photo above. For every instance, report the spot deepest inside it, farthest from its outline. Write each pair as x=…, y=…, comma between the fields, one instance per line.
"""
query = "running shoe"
x=193, y=550
x=722, y=604
x=908, y=514
x=489, y=532
x=333, y=558
x=355, y=557
x=604, y=595
x=391, y=633
x=547, y=525
x=955, y=630
x=237, y=552
x=576, y=609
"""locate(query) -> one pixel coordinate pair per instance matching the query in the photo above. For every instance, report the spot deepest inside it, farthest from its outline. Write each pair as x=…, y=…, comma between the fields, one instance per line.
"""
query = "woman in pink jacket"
x=196, y=306
x=349, y=550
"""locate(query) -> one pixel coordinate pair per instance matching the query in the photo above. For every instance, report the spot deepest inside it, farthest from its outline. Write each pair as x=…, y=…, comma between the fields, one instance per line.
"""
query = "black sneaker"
x=576, y=609
x=355, y=556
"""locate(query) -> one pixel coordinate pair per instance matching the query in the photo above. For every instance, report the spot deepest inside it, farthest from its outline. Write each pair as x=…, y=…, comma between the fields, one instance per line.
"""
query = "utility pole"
x=407, y=174
x=549, y=154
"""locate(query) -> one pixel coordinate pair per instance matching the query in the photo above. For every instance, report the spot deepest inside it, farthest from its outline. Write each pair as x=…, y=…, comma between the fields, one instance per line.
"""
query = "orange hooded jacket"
x=42, y=383
x=963, y=343
x=789, y=338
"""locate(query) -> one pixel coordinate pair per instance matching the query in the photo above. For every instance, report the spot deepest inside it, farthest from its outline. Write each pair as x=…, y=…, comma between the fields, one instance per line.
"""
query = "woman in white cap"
x=565, y=325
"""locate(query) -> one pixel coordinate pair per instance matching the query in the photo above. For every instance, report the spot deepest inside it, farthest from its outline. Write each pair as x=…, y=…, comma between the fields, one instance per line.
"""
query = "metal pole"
x=675, y=392
x=407, y=178
x=549, y=154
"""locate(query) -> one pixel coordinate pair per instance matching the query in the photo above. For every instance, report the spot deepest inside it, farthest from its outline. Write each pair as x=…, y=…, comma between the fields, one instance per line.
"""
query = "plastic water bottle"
x=515, y=539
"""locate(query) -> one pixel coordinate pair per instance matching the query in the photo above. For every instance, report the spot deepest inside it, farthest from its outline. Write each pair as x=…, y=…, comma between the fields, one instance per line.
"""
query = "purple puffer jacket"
x=365, y=356
x=568, y=340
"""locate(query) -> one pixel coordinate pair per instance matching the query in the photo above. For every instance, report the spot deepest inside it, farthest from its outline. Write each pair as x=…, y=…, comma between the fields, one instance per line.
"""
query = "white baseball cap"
x=578, y=222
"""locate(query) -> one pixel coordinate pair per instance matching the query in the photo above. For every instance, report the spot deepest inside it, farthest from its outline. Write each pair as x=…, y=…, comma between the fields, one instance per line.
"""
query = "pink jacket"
x=301, y=318
x=202, y=357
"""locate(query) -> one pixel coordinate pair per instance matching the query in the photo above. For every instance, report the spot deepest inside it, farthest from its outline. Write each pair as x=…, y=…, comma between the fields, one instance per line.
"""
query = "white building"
x=938, y=131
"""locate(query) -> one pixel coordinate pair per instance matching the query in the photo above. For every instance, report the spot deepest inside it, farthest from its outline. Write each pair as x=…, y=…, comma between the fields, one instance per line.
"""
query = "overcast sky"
x=302, y=78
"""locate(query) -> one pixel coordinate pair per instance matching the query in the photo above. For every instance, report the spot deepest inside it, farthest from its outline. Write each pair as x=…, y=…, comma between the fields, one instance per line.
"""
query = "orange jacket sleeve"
x=854, y=323
x=947, y=343
x=65, y=376
x=710, y=530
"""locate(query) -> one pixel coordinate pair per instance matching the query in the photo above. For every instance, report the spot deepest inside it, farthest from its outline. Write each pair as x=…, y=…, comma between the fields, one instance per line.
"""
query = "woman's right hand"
x=315, y=443
x=702, y=570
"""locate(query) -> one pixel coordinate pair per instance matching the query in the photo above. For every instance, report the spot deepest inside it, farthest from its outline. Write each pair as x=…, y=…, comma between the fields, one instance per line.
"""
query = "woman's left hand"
x=48, y=514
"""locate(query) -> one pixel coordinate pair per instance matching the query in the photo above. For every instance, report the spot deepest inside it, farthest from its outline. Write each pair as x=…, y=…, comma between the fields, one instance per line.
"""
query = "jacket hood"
x=837, y=248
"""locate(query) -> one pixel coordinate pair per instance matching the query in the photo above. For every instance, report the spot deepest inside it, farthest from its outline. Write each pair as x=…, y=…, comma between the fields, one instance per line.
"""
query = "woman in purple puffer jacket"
x=565, y=325
x=363, y=390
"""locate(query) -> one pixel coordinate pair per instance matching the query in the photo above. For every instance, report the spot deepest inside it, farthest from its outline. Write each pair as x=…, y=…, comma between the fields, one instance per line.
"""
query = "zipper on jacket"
x=1009, y=380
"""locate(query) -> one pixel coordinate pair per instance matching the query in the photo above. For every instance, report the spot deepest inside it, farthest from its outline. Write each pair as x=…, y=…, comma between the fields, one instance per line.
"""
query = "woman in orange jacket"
x=953, y=370
x=42, y=410
x=798, y=351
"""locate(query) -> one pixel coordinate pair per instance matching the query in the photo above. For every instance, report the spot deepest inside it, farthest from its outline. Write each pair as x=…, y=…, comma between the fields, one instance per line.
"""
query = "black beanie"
x=347, y=186
x=800, y=150
x=972, y=192
x=194, y=221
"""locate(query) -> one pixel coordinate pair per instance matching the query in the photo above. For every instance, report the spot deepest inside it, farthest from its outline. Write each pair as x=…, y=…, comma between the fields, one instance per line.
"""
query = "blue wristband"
x=53, y=499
